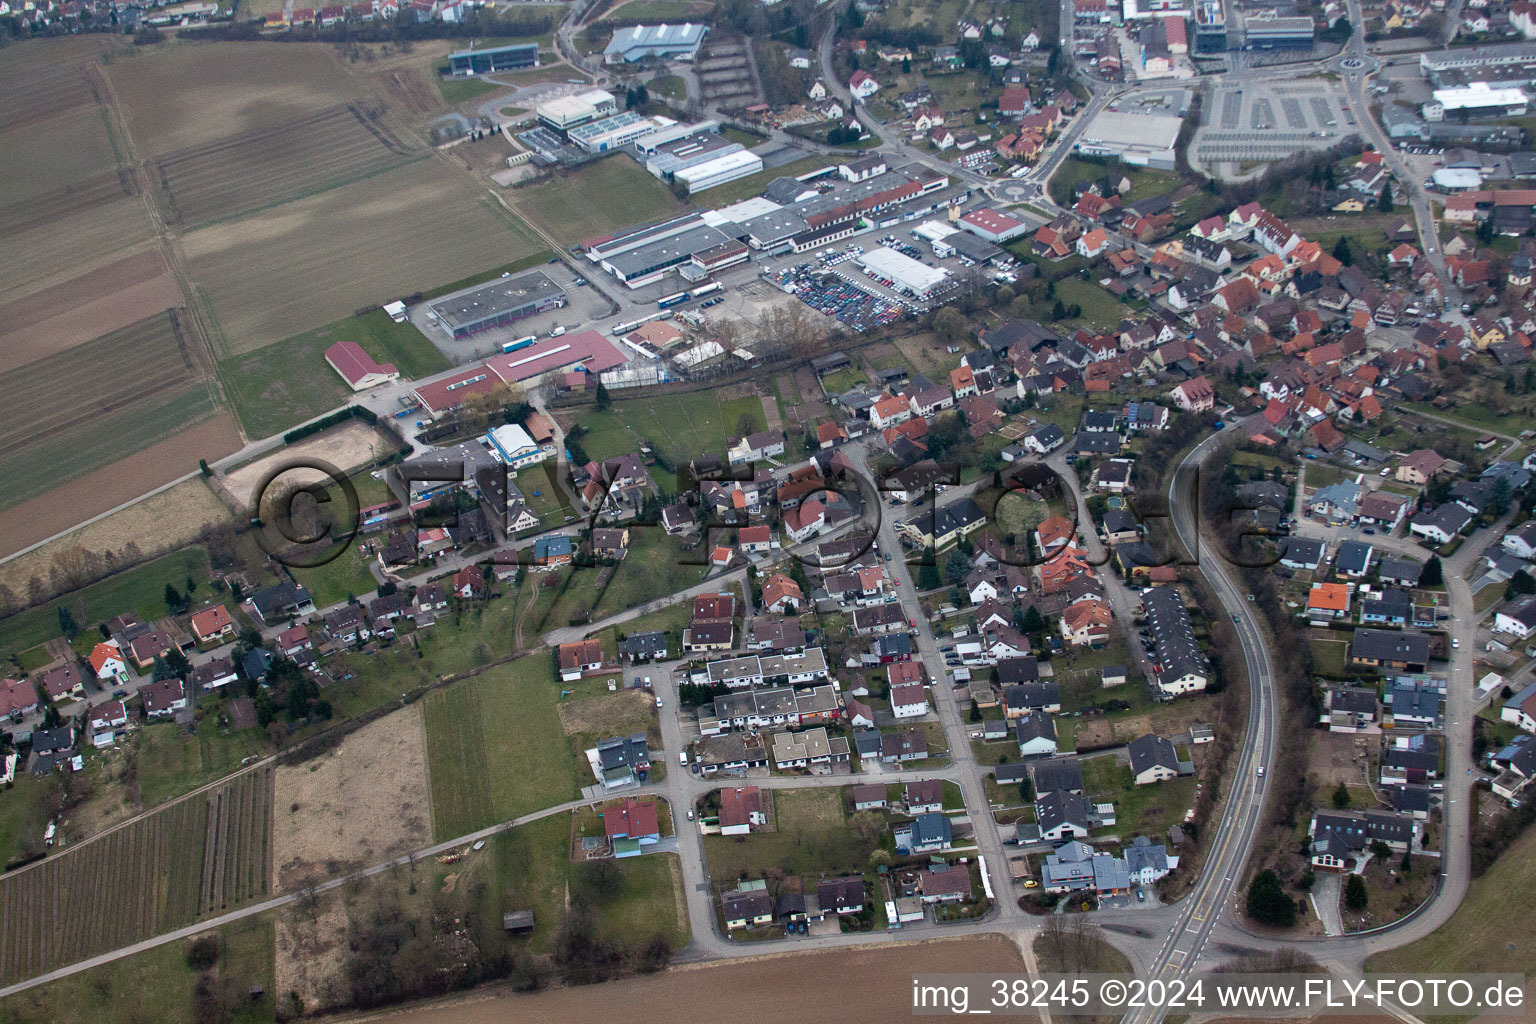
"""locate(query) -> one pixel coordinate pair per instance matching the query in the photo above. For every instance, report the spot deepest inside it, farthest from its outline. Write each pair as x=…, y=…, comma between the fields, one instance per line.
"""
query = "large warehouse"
x=1478, y=100
x=497, y=304
x=718, y=171
x=588, y=351
x=567, y=112
x=664, y=42
x=464, y=63
x=903, y=273
x=1145, y=140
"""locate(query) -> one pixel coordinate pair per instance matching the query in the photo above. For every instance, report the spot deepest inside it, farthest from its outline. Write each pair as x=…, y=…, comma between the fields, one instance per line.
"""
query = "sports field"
x=268, y=166
x=201, y=856
x=595, y=200
x=495, y=748
x=274, y=274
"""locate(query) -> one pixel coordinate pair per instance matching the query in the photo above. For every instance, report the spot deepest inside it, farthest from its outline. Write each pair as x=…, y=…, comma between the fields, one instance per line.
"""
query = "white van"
x=557, y=332
x=682, y=758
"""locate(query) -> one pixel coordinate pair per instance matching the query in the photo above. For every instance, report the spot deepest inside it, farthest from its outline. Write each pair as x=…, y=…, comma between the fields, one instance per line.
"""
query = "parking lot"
x=1256, y=121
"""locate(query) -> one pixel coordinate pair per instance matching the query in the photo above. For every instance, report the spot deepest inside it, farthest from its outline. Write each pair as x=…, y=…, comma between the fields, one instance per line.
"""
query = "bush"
x=1267, y=901
x=203, y=952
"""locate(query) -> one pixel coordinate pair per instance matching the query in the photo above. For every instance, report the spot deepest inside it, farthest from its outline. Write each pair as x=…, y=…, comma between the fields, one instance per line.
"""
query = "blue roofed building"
x=926, y=833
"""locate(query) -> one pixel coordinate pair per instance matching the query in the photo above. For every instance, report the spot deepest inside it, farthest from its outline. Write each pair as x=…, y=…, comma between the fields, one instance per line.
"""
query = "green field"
x=274, y=388
x=1145, y=181
x=810, y=838
x=25, y=808
x=1139, y=810
x=678, y=426
x=1486, y=932
x=496, y=748
x=154, y=985
x=140, y=589
x=529, y=868
x=172, y=761
x=652, y=569
x=746, y=188
x=1100, y=309
x=648, y=11
x=461, y=90
x=343, y=577
x=595, y=200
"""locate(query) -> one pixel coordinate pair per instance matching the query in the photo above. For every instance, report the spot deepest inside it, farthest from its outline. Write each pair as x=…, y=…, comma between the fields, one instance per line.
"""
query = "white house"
x=863, y=85
x=108, y=663
x=909, y=700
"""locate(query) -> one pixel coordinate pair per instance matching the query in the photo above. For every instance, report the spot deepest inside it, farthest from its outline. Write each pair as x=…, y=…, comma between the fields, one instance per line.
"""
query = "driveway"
x=1325, y=901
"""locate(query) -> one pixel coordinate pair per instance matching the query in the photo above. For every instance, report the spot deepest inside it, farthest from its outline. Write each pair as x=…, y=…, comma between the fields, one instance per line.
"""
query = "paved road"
x=1241, y=820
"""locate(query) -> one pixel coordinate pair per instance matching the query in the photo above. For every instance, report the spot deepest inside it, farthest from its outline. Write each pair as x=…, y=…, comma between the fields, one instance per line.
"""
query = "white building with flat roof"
x=718, y=171
x=566, y=112
x=1142, y=139
x=903, y=273
x=1478, y=100
x=514, y=446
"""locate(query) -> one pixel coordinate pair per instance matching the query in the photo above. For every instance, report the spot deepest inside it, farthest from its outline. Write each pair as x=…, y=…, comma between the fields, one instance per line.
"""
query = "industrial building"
x=993, y=225
x=497, y=304
x=666, y=158
x=903, y=273
x=1508, y=56
x=724, y=168
x=1210, y=27
x=649, y=144
x=567, y=112
x=1279, y=33
x=463, y=63
x=588, y=351
x=1476, y=100
x=614, y=132
x=514, y=445
x=1145, y=140
x=663, y=42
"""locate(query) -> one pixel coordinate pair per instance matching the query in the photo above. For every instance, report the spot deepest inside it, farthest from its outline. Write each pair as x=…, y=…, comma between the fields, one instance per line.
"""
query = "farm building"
x=463, y=63
x=357, y=367
x=664, y=42
x=501, y=302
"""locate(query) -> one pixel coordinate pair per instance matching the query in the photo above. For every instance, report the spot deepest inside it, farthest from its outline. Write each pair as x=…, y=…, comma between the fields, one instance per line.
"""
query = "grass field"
x=277, y=387
x=269, y=166
x=671, y=86
x=1139, y=810
x=201, y=856
x=342, y=577
x=679, y=426
x=745, y=188
x=275, y=274
x=653, y=568
x=595, y=200
x=461, y=90
x=1479, y=936
x=1145, y=181
x=495, y=748
x=154, y=985
x=25, y=808
x=172, y=762
x=141, y=589
x=811, y=838
x=1100, y=309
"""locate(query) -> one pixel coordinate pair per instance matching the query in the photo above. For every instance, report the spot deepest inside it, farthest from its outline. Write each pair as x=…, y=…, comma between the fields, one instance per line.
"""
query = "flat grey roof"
x=494, y=298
